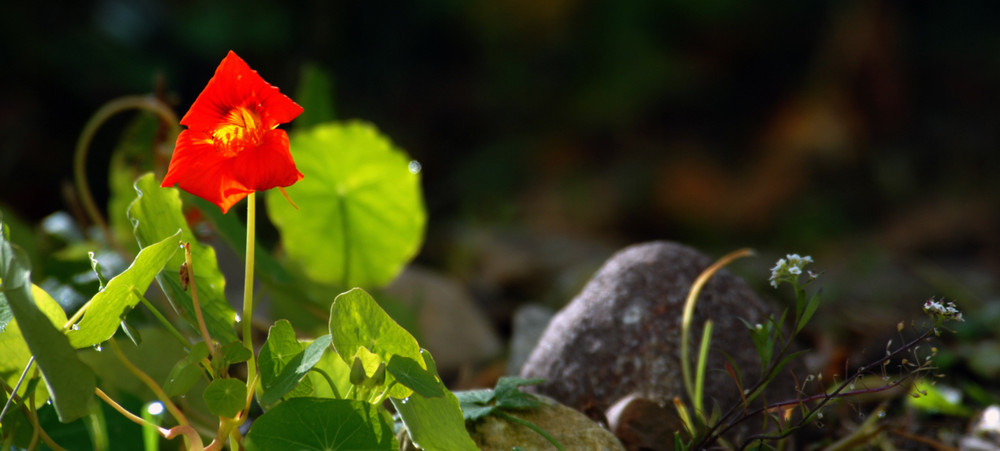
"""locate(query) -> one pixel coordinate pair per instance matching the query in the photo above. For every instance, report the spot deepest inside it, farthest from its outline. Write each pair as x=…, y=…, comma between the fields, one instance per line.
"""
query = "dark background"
x=861, y=132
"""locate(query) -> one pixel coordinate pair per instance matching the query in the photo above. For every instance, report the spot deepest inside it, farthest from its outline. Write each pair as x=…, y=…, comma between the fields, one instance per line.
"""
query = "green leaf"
x=362, y=215
x=5, y=314
x=187, y=371
x=762, y=340
x=235, y=353
x=509, y=395
x=808, y=312
x=70, y=382
x=307, y=424
x=356, y=321
x=156, y=213
x=225, y=397
x=409, y=373
x=295, y=370
x=182, y=378
x=279, y=349
x=434, y=423
x=330, y=377
x=477, y=404
x=315, y=95
x=15, y=351
x=96, y=266
x=108, y=307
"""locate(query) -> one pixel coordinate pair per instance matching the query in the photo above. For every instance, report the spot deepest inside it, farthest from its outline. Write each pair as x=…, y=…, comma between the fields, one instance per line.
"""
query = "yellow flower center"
x=241, y=129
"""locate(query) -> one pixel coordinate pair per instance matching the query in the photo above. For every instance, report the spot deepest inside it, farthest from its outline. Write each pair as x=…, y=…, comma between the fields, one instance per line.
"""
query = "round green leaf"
x=225, y=397
x=361, y=215
x=358, y=326
x=305, y=424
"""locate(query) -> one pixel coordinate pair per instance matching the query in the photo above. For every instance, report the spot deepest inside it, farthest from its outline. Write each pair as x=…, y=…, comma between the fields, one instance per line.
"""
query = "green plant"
x=773, y=340
x=176, y=367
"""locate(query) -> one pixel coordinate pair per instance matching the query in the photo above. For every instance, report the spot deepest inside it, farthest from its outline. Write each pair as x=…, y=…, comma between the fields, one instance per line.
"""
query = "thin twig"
x=149, y=382
x=197, y=305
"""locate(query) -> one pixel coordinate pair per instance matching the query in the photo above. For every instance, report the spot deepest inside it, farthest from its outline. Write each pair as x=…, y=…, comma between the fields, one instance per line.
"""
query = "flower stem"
x=248, y=290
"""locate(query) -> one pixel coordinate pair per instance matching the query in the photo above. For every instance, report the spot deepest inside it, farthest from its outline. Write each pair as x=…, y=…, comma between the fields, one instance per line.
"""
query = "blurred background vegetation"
x=863, y=133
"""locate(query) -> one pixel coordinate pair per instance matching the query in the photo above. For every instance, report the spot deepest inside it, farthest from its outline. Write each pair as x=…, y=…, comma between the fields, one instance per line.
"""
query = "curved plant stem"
x=39, y=431
x=131, y=416
x=689, y=304
x=149, y=382
x=248, y=291
x=529, y=425
x=197, y=304
x=109, y=109
x=329, y=381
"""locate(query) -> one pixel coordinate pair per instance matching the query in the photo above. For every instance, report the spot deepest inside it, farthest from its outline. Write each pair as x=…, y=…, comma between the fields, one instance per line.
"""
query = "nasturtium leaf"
x=156, y=214
x=313, y=424
x=295, y=370
x=409, y=373
x=109, y=306
x=434, y=423
x=279, y=349
x=361, y=215
x=70, y=382
x=234, y=352
x=225, y=397
x=182, y=378
x=15, y=351
x=357, y=321
x=186, y=372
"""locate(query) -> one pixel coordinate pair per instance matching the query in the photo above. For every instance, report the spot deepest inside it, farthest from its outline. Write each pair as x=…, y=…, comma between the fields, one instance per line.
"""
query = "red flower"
x=232, y=146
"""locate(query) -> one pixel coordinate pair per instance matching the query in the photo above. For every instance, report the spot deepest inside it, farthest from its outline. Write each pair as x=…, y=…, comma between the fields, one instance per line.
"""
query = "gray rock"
x=621, y=335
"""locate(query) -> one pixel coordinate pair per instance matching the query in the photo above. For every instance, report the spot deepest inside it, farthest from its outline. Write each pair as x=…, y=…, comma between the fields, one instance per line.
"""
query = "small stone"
x=620, y=337
x=572, y=429
x=642, y=424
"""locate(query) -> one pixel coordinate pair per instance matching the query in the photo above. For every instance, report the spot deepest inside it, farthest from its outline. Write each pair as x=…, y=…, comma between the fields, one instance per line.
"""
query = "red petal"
x=236, y=85
x=267, y=165
x=198, y=168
